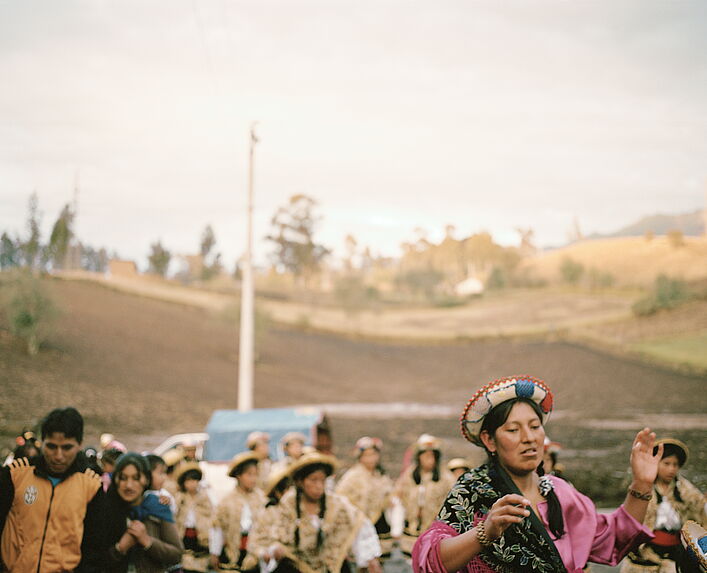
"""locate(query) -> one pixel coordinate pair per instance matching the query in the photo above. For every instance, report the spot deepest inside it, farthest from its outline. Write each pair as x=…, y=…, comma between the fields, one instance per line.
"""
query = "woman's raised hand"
x=509, y=509
x=644, y=464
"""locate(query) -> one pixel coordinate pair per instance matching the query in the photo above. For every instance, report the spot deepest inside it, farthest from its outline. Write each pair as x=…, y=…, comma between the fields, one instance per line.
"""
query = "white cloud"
x=393, y=114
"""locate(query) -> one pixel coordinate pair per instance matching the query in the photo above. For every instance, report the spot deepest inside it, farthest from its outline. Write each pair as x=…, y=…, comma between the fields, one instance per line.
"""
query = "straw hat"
x=240, y=459
x=497, y=392
x=694, y=540
x=293, y=436
x=427, y=442
x=457, y=464
x=675, y=447
x=172, y=457
x=274, y=480
x=182, y=469
x=255, y=438
x=314, y=458
x=367, y=442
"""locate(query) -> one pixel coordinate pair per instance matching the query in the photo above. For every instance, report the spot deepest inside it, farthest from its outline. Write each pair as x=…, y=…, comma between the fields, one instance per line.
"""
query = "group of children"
x=293, y=515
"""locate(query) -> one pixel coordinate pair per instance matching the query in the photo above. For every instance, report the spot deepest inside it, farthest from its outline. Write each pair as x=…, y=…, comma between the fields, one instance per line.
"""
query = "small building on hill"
x=469, y=287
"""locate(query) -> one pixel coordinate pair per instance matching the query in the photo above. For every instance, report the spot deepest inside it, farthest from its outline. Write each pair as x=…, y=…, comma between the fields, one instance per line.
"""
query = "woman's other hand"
x=125, y=543
x=509, y=509
x=138, y=530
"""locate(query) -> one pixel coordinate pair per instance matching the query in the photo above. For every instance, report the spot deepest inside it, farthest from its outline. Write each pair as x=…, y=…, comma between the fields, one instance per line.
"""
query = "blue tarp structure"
x=229, y=429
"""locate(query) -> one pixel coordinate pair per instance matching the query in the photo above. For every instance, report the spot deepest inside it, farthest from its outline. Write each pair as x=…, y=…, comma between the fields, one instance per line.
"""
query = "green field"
x=690, y=349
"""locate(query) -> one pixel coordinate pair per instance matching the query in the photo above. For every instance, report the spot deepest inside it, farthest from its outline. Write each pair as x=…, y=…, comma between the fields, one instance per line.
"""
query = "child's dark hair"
x=67, y=421
x=189, y=474
x=240, y=468
x=155, y=461
x=111, y=456
x=277, y=491
x=417, y=476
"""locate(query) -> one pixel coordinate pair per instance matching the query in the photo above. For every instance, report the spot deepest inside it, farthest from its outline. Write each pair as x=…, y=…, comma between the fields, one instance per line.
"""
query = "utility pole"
x=245, y=358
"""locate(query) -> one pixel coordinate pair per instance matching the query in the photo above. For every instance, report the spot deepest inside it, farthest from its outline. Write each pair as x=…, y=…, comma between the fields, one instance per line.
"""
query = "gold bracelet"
x=481, y=535
x=638, y=495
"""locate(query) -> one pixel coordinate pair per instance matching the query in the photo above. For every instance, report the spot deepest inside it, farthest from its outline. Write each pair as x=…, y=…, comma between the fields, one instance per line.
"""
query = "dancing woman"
x=507, y=516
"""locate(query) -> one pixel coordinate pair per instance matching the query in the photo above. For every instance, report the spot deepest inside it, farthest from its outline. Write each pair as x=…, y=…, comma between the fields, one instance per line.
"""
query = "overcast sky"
x=391, y=114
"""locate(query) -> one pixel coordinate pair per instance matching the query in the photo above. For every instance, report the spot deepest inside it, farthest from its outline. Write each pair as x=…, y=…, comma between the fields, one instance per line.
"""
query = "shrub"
x=497, y=279
x=667, y=293
x=29, y=309
x=418, y=282
x=571, y=270
x=353, y=295
x=599, y=279
x=675, y=238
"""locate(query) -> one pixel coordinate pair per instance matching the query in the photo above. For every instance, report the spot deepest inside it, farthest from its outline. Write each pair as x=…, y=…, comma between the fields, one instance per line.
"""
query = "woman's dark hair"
x=132, y=459
x=189, y=474
x=417, y=476
x=322, y=504
x=494, y=420
x=309, y=469
x=67, y=421
x=499, y=414
x=240, y=468
x=118, y=510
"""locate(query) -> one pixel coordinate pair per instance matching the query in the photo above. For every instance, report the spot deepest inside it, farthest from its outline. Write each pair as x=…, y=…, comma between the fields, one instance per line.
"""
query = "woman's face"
x=248, y=479
x=369, y=458
x=668, y=469
x=427, y=461
x=131, y=484
x=519, y=442
x=313, y=486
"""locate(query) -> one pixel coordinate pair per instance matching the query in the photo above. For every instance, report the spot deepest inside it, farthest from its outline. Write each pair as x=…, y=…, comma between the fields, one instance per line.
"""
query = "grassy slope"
x=690, y=349
x=631, y=261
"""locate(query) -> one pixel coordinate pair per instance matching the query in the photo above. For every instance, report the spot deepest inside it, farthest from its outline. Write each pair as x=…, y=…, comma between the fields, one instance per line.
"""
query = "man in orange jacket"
x=51, y=505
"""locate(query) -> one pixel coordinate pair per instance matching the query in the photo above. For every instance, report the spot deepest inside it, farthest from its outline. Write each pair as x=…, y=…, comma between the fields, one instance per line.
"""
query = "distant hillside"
x=691, y=224
x=630, y=261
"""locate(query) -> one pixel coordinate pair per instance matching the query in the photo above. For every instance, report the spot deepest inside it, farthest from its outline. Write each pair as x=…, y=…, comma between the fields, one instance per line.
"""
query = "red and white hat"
x=366, y=442
x=498, y=391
